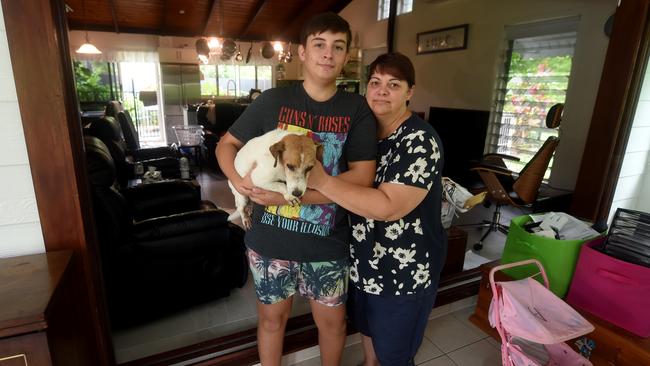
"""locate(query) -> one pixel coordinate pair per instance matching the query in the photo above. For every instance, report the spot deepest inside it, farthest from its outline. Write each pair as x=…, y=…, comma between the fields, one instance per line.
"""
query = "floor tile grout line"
x=467, y=345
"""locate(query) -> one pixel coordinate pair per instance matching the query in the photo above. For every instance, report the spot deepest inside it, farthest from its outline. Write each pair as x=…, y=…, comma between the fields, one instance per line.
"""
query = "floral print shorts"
x=276, y=279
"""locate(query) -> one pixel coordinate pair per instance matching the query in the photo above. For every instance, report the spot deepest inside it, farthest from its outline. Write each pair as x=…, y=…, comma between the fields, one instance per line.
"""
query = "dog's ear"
x=319, y=152
x=276, y=150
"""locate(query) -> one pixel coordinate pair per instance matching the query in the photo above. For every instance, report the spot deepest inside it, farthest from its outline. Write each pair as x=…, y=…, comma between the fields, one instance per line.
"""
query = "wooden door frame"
x=613, y=113
x=42, y=67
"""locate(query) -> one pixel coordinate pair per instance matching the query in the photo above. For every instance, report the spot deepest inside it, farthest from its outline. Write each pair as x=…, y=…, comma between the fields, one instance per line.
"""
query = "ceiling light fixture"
x=87, y=48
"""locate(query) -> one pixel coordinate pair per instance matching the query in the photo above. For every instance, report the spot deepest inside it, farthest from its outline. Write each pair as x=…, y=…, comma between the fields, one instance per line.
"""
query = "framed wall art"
x=441, y=40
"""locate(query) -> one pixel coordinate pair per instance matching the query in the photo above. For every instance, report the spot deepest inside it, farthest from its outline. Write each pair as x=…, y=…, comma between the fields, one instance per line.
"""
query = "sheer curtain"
x=116, y=55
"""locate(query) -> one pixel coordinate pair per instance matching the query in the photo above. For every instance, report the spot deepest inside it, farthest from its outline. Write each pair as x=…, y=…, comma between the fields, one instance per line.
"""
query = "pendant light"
x=87, y=48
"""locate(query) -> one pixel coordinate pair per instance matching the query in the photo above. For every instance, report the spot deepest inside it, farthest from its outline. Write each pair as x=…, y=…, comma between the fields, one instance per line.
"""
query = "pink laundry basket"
x=534, y=323
x=612, y=289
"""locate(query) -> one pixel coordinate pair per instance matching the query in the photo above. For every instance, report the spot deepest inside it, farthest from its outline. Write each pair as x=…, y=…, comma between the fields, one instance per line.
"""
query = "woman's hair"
x=396, y=64
x=324, y=22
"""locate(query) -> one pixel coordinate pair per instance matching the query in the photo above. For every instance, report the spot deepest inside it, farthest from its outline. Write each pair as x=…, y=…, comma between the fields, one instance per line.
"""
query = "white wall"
x=20, y=227
x=633, y=186
x=466, y=79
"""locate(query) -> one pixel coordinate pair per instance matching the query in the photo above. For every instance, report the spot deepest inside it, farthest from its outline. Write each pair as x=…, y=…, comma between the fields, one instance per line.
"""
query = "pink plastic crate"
x=612, y=289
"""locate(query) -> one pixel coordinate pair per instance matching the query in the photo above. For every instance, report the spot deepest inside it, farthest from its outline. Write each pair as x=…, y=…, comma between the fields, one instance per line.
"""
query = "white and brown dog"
x=282, y=163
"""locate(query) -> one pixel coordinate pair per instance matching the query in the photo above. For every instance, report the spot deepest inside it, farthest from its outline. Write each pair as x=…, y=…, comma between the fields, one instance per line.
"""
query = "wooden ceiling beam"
x=213, y=9
x=302, y=14
x=297, y=16
x=256, y=12
x=163, y=25
x=111, y=5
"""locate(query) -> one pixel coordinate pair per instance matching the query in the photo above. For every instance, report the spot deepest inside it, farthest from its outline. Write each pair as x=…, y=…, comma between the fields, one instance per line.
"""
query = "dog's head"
x=297, y=154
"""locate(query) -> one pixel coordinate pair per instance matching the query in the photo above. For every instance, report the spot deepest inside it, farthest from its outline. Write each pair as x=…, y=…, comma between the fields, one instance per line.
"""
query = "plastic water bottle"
x=185, y=168
x=138, y=169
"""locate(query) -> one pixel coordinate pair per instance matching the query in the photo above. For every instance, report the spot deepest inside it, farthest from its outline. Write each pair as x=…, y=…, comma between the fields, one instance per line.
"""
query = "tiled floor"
x=447, y=336
x=449, y=340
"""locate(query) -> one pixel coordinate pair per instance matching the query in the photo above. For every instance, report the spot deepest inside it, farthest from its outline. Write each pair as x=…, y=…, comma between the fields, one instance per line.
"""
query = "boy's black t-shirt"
x=346, y=127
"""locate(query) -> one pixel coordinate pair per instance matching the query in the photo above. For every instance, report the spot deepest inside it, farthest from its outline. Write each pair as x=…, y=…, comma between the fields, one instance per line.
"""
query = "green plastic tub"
x=559, y=257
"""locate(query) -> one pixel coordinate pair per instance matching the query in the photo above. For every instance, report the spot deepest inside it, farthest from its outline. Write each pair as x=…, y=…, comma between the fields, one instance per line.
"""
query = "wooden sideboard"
x=34, y=292
x=457, y=242
x=614, y=345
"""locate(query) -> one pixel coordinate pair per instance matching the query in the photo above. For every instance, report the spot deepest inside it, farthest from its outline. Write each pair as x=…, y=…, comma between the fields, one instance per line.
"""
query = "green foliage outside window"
x=89, y=82
x=208, y=80
x=533, y=86
x=234, y=80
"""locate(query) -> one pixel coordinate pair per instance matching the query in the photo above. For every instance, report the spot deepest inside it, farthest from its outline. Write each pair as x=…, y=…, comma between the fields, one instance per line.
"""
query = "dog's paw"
x=293, y=200
x=248, y=209
x=246, y=221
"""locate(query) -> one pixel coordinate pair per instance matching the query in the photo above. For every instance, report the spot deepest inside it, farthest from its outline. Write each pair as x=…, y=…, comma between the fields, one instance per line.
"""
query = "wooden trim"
x=613, y=110
x=55, y=151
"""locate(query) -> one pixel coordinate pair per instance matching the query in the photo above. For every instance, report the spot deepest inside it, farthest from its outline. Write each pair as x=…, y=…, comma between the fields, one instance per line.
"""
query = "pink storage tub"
x=612, y=289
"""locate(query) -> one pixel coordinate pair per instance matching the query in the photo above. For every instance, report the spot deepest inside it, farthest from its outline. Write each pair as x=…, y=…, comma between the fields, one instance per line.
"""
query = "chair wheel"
x=478, y=246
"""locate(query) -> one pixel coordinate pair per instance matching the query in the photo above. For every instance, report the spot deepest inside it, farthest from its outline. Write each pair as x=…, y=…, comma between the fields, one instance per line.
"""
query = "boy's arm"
x=226, y=151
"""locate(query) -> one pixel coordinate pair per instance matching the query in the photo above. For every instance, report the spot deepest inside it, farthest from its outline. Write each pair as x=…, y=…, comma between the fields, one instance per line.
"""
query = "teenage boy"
x=305, y=248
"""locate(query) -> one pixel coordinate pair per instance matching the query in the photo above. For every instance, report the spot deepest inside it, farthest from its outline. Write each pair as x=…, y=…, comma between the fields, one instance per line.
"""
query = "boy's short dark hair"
x=324, y=22
x=396, y=64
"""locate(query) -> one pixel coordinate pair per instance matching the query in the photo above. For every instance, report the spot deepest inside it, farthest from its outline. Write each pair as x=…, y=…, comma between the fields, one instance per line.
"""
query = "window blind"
x=535, y=75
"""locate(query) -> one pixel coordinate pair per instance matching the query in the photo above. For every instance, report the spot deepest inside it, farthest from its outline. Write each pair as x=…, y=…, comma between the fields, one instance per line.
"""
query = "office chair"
x=505, y=187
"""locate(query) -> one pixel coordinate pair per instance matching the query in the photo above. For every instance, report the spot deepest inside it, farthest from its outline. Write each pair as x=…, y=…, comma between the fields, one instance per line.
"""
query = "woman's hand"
x=317, y=176
x=266, y=198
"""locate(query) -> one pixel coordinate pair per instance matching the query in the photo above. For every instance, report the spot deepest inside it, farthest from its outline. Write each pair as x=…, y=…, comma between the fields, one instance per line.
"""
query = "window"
x=234, y=80
x=535, y=75
x=95, y=81
x=139, y=82
x=383, y=8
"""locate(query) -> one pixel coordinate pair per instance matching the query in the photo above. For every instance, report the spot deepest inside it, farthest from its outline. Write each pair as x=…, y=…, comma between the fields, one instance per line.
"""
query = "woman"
x=398, y=245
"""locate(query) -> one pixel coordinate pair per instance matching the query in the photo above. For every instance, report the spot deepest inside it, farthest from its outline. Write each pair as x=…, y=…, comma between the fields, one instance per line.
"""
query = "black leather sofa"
x=155, y=265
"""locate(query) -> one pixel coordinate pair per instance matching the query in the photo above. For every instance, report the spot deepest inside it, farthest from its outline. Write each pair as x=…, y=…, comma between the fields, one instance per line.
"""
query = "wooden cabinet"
x=33, y=321
x=177, y=55
x=614, y=345
x=456, y=244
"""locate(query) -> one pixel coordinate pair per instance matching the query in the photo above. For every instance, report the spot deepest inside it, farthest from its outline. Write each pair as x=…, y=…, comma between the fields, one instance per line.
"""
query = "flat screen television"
x=463, y=133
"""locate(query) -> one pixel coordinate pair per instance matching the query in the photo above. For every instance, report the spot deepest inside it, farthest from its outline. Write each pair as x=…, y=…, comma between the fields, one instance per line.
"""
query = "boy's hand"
x=245, y=185
x=266, y=198
x=317, y=176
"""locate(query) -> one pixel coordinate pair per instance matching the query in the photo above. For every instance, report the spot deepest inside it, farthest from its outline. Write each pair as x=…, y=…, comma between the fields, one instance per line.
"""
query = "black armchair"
x=158, y=265
x=109, y=132
x=131, y=137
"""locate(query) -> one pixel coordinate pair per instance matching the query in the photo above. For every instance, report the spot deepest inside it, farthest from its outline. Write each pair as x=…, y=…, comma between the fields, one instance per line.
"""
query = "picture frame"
x=443, y=39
